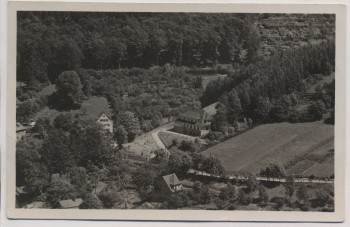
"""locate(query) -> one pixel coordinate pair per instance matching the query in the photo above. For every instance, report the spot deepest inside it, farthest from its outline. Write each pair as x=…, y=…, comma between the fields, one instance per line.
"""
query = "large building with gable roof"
x=194, y=122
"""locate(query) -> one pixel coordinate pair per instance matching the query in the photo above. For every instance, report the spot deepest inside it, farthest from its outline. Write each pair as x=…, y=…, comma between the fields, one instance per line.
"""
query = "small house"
x=105, y=122
x=167, y=186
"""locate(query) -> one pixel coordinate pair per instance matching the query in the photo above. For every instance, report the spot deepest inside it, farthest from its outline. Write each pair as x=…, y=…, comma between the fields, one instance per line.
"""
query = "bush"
x=244, y=198
x=316, y=110
x=91, y=202
x=305, y=207
x=213, y=166
x=186, y=145
x=178, y=201
x=109, y=197
x=321, y=198
x=219, y=203
x=279, y=202
x=228, y=193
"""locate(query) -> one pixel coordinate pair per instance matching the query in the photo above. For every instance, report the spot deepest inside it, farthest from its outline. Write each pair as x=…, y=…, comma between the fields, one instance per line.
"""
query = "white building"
x=105, y=122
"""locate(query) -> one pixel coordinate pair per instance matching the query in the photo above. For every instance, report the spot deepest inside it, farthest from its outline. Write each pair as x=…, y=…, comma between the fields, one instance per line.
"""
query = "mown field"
x=305, y=148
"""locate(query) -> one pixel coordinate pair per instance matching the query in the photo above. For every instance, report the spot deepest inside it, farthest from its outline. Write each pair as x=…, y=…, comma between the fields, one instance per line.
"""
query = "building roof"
x=211, y=109
x=194, y=113
x=171, y=179
x=102, y=115
x=69, y=203
x=20, y=127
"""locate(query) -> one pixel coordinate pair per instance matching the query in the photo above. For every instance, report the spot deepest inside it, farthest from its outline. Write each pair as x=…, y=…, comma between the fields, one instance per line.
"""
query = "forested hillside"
x=50, y=44
x=286, y=31
x=102, y=47
x=271, y=90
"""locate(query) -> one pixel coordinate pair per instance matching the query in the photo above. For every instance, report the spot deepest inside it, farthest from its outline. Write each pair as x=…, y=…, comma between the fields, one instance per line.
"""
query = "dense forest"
x=269, y=90
x=50, y=43
x=145, y=62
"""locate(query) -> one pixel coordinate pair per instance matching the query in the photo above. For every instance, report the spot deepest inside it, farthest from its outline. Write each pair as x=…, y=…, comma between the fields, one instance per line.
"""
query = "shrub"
x=321, y=198
x=109, y=197
x=244, y=198
x=228, y=193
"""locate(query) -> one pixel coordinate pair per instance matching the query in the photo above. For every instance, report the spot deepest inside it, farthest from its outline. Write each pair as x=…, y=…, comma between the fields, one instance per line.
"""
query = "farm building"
x=167, y=186
x=20, y=131
x=105, y=122
x=194, y=122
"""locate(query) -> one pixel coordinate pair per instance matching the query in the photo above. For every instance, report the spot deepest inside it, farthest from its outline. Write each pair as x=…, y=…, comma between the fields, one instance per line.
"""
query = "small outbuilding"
x=167, y=186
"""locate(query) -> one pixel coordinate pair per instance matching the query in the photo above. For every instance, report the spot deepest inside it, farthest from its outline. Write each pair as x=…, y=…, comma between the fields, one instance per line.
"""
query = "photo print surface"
x=175, y=111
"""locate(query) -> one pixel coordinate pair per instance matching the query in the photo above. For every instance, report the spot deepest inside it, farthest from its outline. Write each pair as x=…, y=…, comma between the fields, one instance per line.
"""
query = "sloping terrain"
x=279, y=142
x=284, y=31
x=91, y=108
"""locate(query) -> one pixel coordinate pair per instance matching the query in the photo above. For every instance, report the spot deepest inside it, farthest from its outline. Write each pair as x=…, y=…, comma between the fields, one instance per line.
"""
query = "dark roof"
x=171, y=179
x=101, y=114
x=194, y=113
x=211, y=109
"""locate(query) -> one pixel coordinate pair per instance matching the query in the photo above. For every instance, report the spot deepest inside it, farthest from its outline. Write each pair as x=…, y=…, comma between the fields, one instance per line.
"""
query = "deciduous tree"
x=69, y=89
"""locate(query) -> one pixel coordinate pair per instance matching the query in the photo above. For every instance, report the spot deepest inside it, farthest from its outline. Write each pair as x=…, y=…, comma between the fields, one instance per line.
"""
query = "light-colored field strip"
x=266, y=179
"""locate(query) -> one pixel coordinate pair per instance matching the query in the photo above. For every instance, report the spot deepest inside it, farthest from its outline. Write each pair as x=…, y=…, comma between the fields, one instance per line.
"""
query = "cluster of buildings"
x=193, y=122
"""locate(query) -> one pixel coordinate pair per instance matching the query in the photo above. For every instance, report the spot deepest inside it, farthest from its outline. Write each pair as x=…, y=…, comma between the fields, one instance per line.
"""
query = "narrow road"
x=156, y=138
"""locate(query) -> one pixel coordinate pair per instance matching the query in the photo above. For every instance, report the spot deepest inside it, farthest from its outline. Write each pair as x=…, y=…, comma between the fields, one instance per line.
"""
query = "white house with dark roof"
x=105, y=122
x=167, y=186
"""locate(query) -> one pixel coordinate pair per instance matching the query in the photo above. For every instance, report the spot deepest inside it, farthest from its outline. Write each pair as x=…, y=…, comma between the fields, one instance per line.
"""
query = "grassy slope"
x=93, y=107
x=208, y=78
x=279, y=142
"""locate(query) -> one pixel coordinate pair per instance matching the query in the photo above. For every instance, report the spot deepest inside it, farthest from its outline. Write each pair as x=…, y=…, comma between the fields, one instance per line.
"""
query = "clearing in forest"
x=91, y=108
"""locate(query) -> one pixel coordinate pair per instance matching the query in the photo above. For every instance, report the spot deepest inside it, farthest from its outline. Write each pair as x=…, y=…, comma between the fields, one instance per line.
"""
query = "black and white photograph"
x=189, y=111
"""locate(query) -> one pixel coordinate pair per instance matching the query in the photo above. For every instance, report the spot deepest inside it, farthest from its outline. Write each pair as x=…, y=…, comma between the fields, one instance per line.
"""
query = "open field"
x=91, y=108
x=279, y=142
